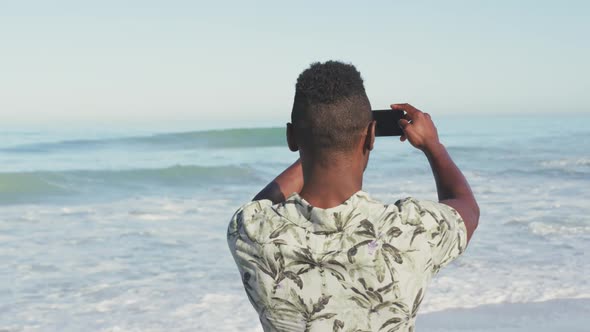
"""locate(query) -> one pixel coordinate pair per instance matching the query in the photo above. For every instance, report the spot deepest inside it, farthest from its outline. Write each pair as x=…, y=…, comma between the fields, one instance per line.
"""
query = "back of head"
x=331, y=110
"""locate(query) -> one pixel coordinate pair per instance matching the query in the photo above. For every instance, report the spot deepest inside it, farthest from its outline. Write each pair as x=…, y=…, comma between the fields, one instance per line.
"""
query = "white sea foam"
x=221, y=312
x=540, y=228
x=566, y=162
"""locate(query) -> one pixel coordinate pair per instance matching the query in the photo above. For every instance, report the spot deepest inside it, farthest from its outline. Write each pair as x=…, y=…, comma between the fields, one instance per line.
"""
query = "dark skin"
x=326, y=182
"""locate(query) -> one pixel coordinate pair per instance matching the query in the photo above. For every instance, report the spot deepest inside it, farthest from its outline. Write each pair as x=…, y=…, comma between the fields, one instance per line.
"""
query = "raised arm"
x=451, y=185
x=288, y=182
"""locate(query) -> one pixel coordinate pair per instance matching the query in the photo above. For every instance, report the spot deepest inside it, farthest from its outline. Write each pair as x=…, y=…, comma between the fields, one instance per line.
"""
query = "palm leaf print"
x=338, y=325
x=275, y=269
x=323, y=263
x=417, y=231
x=280, y=230
x=368, y=229
x=394, y=232
x=352, y=251
x=395, y=320
x=309, y=313
x=295, y=278
x=417, y=302
x=394, y=252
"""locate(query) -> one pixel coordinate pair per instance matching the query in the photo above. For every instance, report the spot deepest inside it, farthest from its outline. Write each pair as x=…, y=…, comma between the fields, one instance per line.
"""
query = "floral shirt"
x=359, y=266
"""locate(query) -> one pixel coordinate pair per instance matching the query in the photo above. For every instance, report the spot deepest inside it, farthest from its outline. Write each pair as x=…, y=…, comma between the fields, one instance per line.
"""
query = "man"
x=315, y=252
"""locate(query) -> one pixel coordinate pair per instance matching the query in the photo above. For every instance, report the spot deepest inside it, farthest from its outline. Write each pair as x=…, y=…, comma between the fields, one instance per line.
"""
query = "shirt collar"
x=300, y=212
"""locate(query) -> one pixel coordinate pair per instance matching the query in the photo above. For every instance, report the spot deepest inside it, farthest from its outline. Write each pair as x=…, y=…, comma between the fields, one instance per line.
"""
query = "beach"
x=126, y=230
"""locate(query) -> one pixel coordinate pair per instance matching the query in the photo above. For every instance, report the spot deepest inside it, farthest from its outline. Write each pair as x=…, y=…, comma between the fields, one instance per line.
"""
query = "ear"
x=370, y=138
x=291, y=141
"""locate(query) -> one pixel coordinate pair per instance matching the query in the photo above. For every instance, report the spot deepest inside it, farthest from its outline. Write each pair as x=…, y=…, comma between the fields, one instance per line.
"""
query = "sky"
x=235, y=63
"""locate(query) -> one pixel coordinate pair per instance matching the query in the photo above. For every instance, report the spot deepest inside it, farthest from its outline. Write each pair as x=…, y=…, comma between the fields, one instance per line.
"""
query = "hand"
x=418, y=127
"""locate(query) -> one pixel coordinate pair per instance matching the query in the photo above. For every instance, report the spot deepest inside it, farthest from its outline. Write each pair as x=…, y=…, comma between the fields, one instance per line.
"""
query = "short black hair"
x=331, y=107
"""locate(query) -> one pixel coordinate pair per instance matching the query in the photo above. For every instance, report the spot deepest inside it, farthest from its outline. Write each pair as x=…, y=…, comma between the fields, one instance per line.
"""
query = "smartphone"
x=388, y=122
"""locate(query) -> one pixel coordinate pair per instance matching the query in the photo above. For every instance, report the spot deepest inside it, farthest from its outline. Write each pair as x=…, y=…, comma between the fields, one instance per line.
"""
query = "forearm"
x=453, y=189
x=450, y=182
x=288, y=182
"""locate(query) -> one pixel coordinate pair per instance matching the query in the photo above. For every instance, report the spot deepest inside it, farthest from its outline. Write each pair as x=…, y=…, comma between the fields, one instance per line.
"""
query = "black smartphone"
x=388, y=122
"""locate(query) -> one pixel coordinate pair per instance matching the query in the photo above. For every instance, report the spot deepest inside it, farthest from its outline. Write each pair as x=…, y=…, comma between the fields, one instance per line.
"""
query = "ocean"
x=125, y=230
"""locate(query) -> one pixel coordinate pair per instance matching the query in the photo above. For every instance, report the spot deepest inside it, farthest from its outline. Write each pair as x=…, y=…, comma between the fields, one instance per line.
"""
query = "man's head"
x=331, y=112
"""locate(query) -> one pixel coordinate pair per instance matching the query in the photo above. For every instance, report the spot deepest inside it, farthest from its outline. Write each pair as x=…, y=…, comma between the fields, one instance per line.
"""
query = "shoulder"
x=252, y=208
x=252, y=221
x=435, y=218
x=414, y=210
x=444, y=228
x=249, y=211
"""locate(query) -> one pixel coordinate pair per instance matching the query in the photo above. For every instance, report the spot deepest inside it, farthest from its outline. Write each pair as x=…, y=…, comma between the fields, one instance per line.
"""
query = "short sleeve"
x=241, y=238
x=443, y=226
x=244, y=214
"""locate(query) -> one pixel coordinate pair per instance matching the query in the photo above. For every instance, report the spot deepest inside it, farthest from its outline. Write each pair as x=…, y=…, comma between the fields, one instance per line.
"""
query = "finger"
x=403, y=123
x=411, y=110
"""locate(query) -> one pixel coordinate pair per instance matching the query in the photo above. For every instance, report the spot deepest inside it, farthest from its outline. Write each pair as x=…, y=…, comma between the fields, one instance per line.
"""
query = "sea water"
x=104, y=230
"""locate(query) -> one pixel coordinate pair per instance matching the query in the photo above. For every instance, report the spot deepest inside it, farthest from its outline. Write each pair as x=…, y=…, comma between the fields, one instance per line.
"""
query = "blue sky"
x=209, y=64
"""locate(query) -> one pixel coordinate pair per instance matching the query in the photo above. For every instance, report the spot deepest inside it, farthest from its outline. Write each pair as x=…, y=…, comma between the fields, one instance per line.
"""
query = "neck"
x=329, y=184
